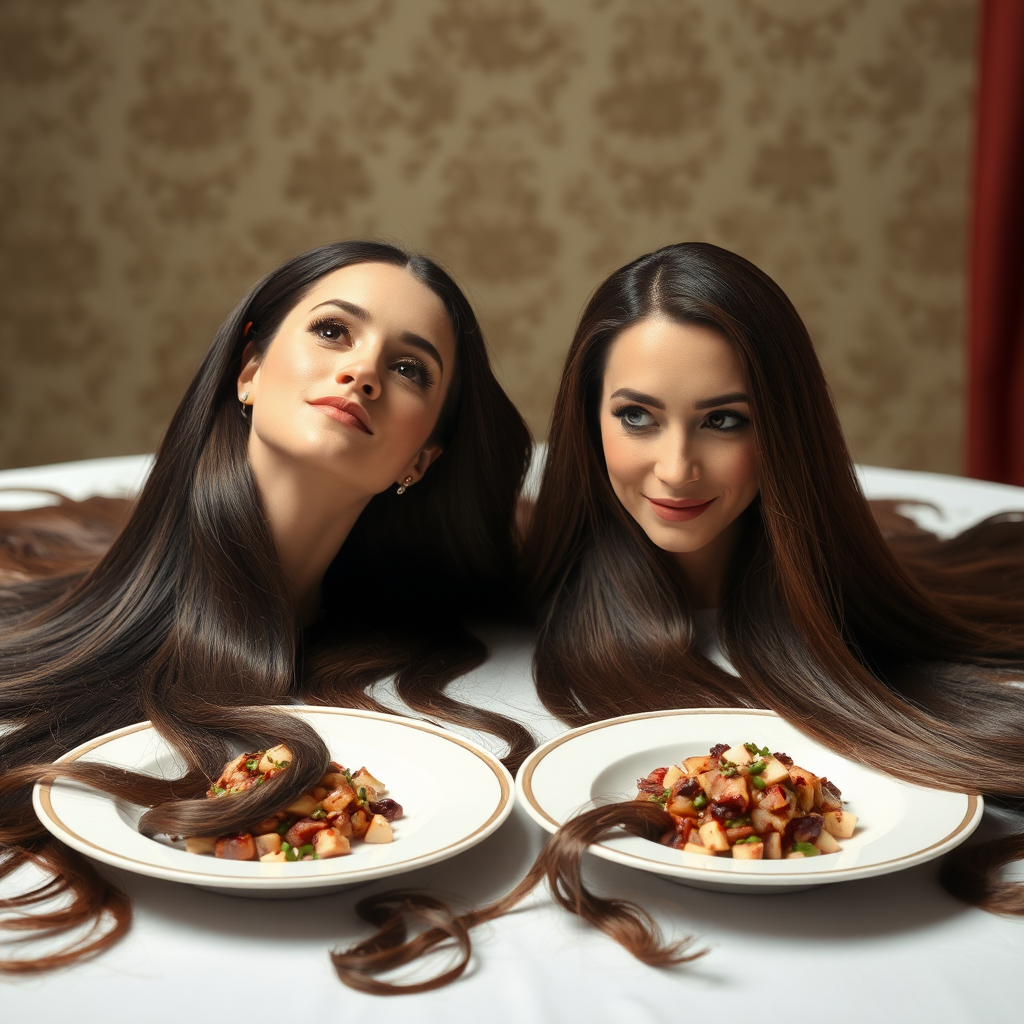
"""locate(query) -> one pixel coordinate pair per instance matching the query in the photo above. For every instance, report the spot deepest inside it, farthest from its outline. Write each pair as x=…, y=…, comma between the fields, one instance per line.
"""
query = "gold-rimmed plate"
x=899, y=824
x=418, y=761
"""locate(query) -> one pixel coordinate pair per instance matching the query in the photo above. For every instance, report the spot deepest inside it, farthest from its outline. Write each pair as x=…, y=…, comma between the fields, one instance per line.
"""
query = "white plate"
x=899, y=825
x=416, y=760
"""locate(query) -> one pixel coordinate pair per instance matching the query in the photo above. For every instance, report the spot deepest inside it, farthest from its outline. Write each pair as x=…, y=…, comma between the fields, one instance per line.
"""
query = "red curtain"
x=995, y=428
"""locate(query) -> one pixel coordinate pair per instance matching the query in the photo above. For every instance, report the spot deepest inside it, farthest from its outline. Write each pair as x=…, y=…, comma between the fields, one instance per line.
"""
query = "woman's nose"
x=360, y=372
x=677, y=464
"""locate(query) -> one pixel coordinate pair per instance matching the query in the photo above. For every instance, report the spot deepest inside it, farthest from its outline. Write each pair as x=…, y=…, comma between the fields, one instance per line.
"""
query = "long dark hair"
x=903, y=662
x=187, y=621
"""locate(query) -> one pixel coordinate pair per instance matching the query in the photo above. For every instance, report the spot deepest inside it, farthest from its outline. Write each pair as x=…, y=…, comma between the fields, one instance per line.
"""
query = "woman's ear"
x=420, y=464
x=249, y=377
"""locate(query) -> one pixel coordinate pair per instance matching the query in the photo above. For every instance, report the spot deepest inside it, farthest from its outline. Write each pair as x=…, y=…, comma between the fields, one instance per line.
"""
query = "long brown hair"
x=186, y=620
x=903, y=663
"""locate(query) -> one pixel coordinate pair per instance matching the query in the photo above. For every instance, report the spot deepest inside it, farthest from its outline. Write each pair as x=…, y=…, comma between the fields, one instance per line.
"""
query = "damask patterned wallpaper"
x=158, y=157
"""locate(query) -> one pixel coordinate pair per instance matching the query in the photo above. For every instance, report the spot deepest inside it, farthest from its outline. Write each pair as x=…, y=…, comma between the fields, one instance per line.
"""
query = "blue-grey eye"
x=634, y=418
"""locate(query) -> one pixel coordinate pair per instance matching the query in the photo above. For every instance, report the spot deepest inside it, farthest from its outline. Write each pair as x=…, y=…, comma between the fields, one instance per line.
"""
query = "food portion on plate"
x=321, y=823
x=748, y=803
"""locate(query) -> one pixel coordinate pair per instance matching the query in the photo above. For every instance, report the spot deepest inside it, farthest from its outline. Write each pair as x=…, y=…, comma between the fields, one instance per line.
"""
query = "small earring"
x=245, y=395
x=405, y=485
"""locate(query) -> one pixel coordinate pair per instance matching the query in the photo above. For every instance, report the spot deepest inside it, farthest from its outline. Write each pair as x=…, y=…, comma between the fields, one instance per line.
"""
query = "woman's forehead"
x=672, y=357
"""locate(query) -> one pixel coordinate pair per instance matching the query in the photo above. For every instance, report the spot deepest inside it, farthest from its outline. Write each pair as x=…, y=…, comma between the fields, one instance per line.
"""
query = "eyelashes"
x=329, y=328
x=421, y=375
x=332, y=329
x=636, y=419
x=633, y=417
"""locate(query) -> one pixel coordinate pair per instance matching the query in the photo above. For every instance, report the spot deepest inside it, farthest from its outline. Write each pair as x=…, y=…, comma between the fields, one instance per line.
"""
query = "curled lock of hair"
x=559, y=864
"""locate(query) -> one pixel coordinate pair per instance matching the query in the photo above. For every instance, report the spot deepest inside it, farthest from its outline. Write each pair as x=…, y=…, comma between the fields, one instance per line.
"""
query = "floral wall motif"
x=158, y=158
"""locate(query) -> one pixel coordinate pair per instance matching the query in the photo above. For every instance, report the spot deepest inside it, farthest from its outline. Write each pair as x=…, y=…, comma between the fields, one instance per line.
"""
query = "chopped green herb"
x=700, y=801
x=259, y=780
x=307, y=850
x=318, y=814
x=749, y=839
x=282, y=828
x=737, y=822
x=757, y=782
x=361, y=793
x=252, y=764
x=807, y=849
x=757, y=767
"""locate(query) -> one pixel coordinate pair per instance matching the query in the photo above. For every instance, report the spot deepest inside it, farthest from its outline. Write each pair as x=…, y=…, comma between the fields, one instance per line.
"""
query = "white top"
x=893, y=948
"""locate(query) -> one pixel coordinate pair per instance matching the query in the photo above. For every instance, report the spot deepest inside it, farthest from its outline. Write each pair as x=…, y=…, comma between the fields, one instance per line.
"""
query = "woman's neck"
x=310, y=515
x=702, y=572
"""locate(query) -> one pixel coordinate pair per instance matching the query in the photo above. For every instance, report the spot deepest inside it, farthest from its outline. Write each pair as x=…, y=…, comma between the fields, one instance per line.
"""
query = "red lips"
x=678, y=510
x=344, y=411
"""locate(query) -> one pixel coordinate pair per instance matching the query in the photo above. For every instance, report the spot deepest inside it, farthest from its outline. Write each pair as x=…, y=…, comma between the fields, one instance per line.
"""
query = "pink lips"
x=679, y=510
x=344, y=411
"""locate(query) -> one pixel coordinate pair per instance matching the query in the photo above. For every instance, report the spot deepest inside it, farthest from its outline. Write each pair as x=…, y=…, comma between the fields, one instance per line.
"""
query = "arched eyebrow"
x=710, y=403
x=638, y=396
x=365, y=316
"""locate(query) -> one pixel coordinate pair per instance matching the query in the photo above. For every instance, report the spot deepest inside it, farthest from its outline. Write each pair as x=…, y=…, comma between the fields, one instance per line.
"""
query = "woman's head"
x=677, y=442
x=695, y=323
x=354, y=380
x=391, y=333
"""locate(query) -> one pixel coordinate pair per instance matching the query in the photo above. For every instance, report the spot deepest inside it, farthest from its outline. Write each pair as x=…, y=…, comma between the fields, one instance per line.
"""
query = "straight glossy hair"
x=186, y=620
x=900, y=655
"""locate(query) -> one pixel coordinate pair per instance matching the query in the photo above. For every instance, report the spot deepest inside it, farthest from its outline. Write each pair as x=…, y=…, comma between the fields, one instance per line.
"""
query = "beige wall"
x=159, y=156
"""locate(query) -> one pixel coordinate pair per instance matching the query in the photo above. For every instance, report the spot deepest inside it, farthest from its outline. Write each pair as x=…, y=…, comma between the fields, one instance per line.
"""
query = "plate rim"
x=48, y=816
x=524, y=788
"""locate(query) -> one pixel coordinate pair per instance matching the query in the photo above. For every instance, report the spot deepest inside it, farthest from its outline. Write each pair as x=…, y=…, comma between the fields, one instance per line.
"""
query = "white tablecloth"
x=892, y=948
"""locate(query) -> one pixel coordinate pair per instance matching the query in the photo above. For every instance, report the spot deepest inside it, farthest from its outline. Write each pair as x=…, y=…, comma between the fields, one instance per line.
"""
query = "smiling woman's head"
x=689, y=325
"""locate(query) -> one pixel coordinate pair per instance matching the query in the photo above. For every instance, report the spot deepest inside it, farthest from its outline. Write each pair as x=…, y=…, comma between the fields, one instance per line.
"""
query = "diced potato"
x=695, y=848
x=732, y=790
x=200, y=844
x=794, y=855
x=775, y=772
x=826, y=842
x=748, y=851
x=681, y=807
x=379, y=830
x=712, y=835
x=270, y=842
x=839, y=823
x=673, y=775
x=240, y=847
x=303, y=806
x=738, y=833
x=340, y=798
x=280, y=754
x=772, y=846
x=738, y=755
x=373, y=787
x=761, y=819
x=774, y=798
x=696, y=765
x=807, y=787
x=330, y=843
x=274, y=858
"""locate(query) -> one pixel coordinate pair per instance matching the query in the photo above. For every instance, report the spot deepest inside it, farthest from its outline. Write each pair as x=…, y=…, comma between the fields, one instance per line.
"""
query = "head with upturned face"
x=366, y=363
x=691, y=394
